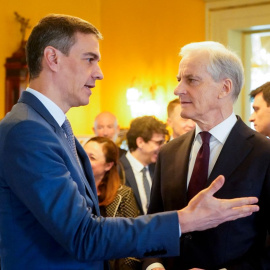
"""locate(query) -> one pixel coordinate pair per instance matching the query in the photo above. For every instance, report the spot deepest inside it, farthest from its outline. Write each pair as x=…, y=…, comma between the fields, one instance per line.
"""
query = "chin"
x=84, y=102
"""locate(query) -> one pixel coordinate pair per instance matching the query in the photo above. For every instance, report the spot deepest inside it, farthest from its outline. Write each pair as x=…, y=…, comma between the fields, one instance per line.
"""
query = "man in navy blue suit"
x=49, y=214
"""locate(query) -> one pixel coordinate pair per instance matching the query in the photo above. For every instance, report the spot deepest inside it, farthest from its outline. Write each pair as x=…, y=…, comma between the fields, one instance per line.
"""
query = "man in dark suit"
x=145, y=137
x=261, y=105
x=210, y=79
x=49, y=214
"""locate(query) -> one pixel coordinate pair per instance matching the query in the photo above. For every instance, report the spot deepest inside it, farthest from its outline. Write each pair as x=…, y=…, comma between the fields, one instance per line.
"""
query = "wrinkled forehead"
x=193, y=63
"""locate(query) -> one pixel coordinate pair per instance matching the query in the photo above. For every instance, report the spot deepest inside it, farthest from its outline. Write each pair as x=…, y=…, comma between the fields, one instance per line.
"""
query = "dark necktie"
x=199, y=175
x=146, y=185
x=70, y=138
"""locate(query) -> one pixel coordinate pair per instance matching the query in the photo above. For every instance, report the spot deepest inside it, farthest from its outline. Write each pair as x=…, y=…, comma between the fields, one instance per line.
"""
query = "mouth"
x=185, y=102
x=89, y=86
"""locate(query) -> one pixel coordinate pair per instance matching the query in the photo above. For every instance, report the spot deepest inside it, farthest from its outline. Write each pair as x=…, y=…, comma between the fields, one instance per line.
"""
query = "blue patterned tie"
x=146, y=185
x=70, y=137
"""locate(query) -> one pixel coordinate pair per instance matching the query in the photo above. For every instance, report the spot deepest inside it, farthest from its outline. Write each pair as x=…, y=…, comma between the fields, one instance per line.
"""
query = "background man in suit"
x=178, y=124
x=210, y=79
x=261, y=105
x=49, y=214
x=145, y=137
x=106, y=125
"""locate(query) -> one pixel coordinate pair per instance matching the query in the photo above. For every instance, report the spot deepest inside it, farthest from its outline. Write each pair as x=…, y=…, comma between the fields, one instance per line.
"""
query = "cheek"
x=93, y=165
x=97, y=168
x=155, y=149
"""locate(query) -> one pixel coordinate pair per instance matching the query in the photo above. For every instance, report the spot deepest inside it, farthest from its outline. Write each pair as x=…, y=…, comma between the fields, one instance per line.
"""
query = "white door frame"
x=228, y=21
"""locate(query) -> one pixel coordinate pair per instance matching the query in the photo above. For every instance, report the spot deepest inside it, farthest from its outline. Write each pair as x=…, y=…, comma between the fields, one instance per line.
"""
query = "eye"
x=255, y=109
x=191, y=80
x=91, y=157
x=90, y=60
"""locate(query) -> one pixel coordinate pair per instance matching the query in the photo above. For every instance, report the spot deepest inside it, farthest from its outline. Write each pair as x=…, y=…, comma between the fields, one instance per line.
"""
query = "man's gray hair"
x=223, y=63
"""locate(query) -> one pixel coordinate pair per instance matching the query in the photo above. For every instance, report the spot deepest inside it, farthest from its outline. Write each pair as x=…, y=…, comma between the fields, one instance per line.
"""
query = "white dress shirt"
x=137, y=167
x=219, y=136
x=53, y=109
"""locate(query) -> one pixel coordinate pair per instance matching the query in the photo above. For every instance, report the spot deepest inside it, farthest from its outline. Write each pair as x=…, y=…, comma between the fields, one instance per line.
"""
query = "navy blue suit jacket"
x=47, y=220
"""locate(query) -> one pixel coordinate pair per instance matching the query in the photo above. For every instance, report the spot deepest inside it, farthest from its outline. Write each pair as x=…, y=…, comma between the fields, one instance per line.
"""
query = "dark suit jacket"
x=245, y=163
x=47, y=221
x=130, y=180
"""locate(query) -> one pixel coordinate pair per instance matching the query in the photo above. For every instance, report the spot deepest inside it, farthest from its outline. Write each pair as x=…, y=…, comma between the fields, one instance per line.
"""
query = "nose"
x=251, y=118
x=179, y=90
x=105, y=132
x=98, y=74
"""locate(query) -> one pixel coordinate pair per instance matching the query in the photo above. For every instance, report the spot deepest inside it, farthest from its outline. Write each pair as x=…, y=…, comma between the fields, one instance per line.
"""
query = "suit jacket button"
x=188, y=236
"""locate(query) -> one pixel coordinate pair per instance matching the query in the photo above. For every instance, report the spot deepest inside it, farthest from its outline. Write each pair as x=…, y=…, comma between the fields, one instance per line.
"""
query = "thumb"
x=216, y=185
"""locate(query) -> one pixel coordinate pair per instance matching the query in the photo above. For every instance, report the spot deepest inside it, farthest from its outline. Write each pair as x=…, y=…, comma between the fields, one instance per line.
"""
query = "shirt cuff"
x=154, y=265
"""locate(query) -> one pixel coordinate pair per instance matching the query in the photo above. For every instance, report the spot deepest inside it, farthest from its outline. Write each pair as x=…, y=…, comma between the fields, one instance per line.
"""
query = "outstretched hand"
x=205, y=211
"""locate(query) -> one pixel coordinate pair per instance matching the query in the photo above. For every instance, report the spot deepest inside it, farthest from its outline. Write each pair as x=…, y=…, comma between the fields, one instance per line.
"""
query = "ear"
x=169, y=121
x=108, y=166
x=226, y=88
x=51, y=57
x=94, y=130
x=140, y=142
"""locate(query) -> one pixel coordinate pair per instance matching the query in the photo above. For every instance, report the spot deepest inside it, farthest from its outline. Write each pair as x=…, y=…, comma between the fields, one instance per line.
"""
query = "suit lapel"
x=87, y=175
x=234, y=151
x=112, y=208
x=180, y=167
x=34, y=102
x=151, y=169
x=131, y=181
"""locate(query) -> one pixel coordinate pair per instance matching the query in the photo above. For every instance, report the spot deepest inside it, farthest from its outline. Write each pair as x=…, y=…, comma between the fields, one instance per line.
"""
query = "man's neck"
x=210, y=123
x=136, y=154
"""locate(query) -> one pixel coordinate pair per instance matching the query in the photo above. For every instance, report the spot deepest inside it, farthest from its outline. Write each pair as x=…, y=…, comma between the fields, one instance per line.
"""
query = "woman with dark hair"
x=115, y=199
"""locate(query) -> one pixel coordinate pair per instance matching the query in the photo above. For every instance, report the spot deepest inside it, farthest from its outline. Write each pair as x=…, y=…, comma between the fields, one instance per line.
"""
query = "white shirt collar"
x=135, y=164
x=222, y=130
x=53, y=109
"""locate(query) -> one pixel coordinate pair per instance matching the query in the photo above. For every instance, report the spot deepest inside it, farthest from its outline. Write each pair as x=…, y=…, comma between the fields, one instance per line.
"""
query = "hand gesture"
x=205, y=211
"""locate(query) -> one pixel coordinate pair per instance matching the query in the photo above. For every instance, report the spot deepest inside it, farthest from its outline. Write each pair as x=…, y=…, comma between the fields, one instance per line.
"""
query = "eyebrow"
x=188, y=76
x=94, y=55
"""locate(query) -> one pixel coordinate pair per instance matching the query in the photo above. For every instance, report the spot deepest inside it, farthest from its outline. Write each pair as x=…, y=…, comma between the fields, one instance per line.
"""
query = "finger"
x=215, y=185
x=240, y=212
x=238, y=202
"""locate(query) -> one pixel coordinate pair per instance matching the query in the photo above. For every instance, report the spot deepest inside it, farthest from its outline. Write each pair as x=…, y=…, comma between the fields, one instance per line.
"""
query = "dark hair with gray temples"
x=58, y=31
x=265, y=90
x=223, y=63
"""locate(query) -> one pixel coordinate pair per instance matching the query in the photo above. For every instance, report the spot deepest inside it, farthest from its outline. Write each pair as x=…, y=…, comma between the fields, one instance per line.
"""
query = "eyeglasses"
x=158, y=143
